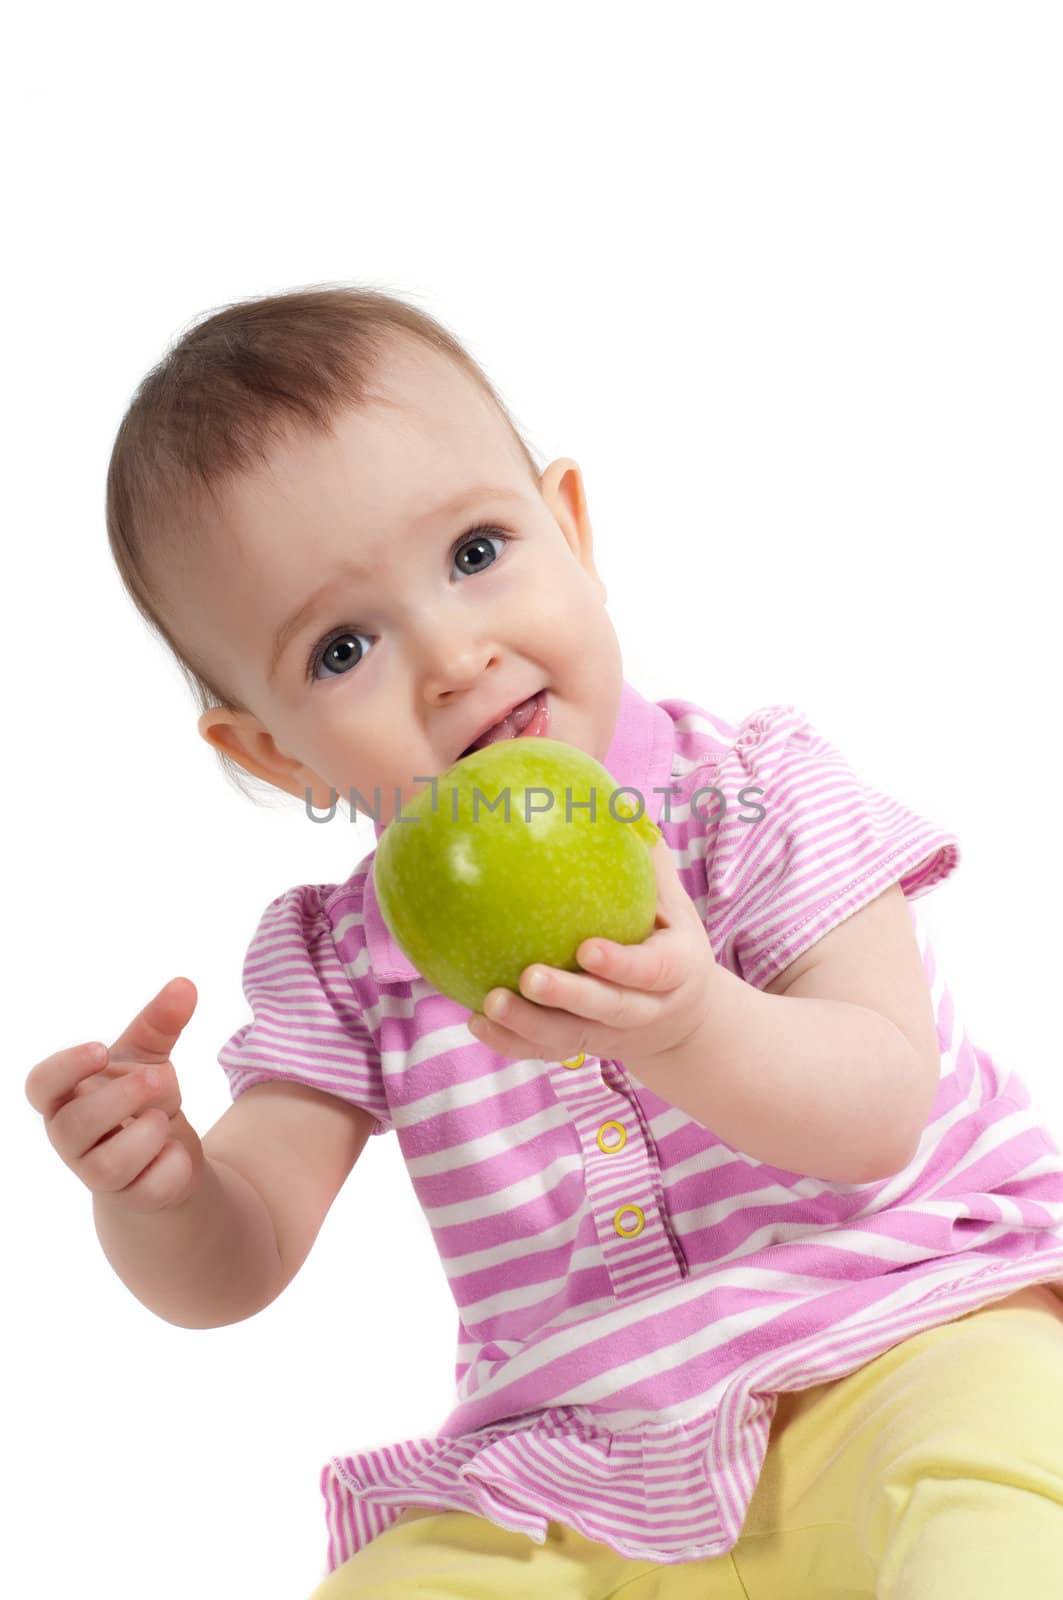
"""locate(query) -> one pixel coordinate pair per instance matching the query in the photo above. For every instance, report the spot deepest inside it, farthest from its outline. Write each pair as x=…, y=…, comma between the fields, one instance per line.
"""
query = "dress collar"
x=639, y=757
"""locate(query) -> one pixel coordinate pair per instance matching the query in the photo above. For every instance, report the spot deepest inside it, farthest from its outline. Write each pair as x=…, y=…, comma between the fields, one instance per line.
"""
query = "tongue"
x=510, y=726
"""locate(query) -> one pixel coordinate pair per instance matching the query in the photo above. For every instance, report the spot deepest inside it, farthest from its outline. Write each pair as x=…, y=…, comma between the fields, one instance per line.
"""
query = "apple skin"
x=472, y=902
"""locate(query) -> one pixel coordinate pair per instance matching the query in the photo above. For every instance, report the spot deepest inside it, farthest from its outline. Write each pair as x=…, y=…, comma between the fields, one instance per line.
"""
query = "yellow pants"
x=935, y=1472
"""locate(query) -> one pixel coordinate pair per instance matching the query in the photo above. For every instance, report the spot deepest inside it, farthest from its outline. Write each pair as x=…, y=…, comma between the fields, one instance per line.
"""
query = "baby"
x=758, y=1258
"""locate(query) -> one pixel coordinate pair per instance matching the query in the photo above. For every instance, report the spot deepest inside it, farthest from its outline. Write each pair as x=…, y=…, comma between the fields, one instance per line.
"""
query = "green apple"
x=501, y=862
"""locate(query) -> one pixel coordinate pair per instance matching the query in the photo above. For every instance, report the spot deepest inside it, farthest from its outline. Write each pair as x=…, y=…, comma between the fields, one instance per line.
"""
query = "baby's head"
x=321, y=505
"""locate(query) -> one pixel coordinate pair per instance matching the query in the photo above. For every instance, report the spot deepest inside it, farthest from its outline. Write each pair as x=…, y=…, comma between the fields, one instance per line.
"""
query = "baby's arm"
x=832, y=1069
x=203, y=1232
x=207, y=1262
x=189, y=1236
x=274, y=1163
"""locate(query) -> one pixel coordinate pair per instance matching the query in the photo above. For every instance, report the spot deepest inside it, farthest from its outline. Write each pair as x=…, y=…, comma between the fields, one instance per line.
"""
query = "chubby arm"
x=833, y=1069
x=273, y=1164
x=295, y=1146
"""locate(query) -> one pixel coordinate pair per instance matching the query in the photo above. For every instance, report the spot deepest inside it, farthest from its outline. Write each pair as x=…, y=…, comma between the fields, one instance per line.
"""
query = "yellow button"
x=629, y=1233
x=614, y=1144
x=575, y=1061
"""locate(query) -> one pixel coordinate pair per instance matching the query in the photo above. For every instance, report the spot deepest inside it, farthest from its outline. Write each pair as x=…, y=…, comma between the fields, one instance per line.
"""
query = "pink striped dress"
x=634, y=1292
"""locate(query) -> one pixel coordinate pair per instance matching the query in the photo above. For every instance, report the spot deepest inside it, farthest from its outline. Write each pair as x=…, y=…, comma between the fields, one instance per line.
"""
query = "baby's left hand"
x=643, y=1000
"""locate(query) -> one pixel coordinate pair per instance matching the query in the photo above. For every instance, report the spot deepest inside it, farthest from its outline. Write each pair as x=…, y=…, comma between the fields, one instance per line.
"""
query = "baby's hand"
x=650, y=998
x=121, y=1134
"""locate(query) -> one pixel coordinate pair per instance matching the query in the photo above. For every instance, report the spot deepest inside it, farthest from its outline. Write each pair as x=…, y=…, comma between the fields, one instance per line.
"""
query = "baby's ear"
x=220, y=727
x=563, y=491
x=240, y=736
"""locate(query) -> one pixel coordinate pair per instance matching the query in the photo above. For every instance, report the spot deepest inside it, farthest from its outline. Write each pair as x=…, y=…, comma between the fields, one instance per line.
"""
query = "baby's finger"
x=78, y=1127
x=503, y=1040
x=141, y=1147
x=675, y=908
x=52, y=1081
x=156, y=1028
x=566, y=1001
x=654, y=966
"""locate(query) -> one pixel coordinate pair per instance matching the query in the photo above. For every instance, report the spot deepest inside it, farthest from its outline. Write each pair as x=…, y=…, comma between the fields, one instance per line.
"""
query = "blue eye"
x=342, y=660
x=336, y=651
x=480, y=536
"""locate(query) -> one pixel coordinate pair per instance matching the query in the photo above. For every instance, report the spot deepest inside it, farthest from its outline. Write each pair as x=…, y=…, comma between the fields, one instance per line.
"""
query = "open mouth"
x=530, y=719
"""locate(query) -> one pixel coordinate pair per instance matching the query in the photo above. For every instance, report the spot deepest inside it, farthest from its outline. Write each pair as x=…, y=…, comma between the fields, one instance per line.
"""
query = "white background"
x=784, y=279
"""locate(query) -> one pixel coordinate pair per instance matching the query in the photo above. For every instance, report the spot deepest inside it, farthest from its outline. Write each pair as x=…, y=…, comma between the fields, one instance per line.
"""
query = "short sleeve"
x=808, y=844
x=306, y=1022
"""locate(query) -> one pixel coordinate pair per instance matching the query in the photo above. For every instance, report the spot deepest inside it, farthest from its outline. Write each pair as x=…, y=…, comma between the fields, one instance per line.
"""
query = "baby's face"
x=348, y=602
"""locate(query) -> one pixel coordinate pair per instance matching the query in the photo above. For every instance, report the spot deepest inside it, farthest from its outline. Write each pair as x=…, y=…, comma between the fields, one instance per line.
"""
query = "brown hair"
x=216, y=401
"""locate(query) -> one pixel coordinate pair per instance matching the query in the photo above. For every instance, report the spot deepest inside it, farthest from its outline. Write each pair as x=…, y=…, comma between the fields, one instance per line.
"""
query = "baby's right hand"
x=123, y=1137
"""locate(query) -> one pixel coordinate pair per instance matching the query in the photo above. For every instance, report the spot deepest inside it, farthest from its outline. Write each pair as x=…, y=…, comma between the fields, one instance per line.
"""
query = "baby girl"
x=758, y=1258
